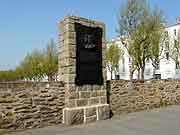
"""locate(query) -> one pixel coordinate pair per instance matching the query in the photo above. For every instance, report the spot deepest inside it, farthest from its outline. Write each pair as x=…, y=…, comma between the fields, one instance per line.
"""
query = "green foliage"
x=130, y=16
x=175, y=51
x=157, y=38
x=31, y=67
x=113, y=54
x=9, y=75
x=51, y=61
x=129, y=19
x=146, y=40
x=140, y=30
x=35, y=66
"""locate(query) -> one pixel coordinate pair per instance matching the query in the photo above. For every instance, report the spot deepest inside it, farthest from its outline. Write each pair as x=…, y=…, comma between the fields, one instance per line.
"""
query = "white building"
x=167, y=66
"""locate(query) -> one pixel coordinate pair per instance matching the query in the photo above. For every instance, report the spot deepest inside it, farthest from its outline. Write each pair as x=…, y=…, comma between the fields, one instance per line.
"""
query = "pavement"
x=163, y=121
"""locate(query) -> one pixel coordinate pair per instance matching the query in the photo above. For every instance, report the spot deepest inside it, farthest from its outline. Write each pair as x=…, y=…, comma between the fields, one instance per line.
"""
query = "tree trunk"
x=50, y=78
x=154, y=69
x=131, y=75
x=177, y=64
x=111, y=75
x=142, y=73
x=132, y=69
x=138, y=74
x=56, y=78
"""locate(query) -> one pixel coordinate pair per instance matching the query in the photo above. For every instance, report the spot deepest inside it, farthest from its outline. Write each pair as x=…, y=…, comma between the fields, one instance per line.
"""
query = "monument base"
x=85, y=114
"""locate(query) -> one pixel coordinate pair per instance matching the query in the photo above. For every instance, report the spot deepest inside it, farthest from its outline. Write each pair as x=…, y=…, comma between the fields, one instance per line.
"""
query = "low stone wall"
x=27, y=105
x=125, y=97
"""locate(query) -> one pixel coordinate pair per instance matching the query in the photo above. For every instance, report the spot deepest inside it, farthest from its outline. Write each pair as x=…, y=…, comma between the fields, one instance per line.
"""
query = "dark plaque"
x=88, y=55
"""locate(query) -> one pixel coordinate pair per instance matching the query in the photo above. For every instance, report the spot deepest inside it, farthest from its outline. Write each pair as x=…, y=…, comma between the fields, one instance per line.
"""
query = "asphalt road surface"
x=164, y=121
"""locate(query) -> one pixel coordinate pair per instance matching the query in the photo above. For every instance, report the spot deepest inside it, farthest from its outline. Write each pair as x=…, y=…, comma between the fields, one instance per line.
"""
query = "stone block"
x=70, y=35
x=82, y=102
x=85, y=94
x=103, y=100
x=69, y=27
x=68, y=20
x=93, y=101
x=73, y=95
x=73, y=116
x=7, y=100
x=94, y=94
x=71, y=103
x=101, y=93
x=96, y=87
x=103, y=112
x=84, y=88
x=70, y=42
x=91, y=119
x=71, y=61
x=69, y=79
x=70, y=87
x=90, y=111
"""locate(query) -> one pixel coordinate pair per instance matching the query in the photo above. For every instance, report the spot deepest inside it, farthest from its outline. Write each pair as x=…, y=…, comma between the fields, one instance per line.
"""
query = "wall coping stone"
x=85, y=107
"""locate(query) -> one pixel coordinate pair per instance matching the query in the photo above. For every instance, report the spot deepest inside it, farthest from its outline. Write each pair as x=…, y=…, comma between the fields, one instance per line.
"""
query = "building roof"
x=172, y=25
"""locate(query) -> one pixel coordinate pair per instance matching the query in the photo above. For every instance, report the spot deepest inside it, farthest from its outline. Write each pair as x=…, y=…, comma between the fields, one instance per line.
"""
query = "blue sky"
x=29, y=24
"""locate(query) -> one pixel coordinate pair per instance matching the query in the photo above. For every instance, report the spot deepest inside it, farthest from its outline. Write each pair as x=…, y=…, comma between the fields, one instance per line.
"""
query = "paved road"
x=165, y=121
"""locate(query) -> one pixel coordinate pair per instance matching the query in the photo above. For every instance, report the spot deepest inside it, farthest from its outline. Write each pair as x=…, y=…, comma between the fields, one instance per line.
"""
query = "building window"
x=148, y=71
x=175, y=32
x=123, y=62
x=129, y=60
x=167, y=55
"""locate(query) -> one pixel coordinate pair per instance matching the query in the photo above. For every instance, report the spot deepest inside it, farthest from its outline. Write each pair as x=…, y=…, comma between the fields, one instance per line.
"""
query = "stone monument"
x=83, y=69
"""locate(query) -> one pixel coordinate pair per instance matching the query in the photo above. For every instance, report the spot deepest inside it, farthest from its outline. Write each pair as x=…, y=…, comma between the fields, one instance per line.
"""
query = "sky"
x=26, y=25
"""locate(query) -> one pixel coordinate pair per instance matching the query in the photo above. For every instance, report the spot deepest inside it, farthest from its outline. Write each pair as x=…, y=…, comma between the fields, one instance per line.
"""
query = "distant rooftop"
x=177, y=23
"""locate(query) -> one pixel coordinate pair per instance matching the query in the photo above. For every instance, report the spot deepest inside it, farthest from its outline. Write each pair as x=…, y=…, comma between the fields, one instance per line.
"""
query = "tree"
x=32, y=67
x=35, y=66
x=51, y=61
x=113, y=54
x=157, y=40
x=8, y=75
x=174, y=51
x=39, y=64
x=128, y=20
x=147, y=38
x=140, y=32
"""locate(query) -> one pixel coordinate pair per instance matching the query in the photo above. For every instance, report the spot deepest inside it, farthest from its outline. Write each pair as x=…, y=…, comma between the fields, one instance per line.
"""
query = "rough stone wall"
x=82, y=102
x=126, y=97
x=27, y=105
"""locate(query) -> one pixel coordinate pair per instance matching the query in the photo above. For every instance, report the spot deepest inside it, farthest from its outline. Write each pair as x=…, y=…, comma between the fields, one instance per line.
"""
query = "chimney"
x=178, y=20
